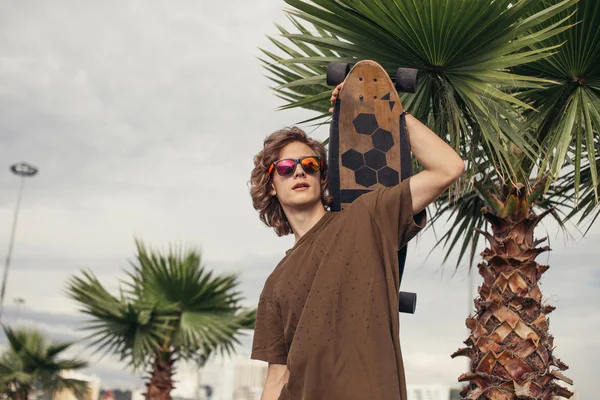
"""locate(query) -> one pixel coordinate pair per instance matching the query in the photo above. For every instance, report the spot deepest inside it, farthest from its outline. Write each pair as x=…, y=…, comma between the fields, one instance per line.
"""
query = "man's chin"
x=303, y=205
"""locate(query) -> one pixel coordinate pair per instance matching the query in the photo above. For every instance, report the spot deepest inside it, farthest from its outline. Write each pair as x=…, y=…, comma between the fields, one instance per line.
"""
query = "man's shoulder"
x=278, y=270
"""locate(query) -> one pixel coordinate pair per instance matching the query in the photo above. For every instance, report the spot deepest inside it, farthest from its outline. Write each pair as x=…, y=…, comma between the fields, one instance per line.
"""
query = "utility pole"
x=23, y=170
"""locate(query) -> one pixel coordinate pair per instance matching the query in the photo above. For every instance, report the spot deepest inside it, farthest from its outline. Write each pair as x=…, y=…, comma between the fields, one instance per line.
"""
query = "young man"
x=327, y=320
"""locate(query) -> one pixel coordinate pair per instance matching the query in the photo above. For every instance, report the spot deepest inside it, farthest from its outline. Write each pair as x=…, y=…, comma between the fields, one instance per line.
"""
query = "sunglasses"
x=287, y=166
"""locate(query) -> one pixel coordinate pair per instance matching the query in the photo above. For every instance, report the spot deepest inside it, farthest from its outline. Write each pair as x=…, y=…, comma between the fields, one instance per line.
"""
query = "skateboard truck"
x=406, y=78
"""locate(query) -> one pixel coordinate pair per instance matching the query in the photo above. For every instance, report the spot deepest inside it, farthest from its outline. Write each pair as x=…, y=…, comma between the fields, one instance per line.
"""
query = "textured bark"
x=21, y=395
x=161, y=379
x=510, y=346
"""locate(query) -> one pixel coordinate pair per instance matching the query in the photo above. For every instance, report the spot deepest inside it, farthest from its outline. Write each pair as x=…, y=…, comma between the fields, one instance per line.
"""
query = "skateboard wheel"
x=407, y=80
x=407, y=302
x=336, y=73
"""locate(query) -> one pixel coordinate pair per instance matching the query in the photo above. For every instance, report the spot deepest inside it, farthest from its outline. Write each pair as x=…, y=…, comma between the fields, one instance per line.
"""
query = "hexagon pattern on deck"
x=366, y=177
x=383, y=140
x=365, y=124
x=388, y=176
x=375, y=159
x=353, y=159
x=371, y=168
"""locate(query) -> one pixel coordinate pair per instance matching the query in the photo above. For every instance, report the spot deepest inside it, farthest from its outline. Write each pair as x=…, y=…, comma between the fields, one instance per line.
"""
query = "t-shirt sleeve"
x=269, y=340
x=391, y=208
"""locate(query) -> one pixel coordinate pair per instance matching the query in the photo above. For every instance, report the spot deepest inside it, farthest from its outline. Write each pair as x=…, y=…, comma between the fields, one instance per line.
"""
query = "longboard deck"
x=365, y=141
x=368, y=144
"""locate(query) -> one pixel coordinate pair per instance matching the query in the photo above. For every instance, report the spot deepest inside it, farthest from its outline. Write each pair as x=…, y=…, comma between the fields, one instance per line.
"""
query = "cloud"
x=143, y=118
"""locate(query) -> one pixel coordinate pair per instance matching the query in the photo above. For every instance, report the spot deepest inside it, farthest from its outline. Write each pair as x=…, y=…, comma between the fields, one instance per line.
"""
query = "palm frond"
x=568, y=109
x=79, y=388
x=171, y=303
x=585, y=210
x=463, y=51
x=116, y=325
x=31, y=361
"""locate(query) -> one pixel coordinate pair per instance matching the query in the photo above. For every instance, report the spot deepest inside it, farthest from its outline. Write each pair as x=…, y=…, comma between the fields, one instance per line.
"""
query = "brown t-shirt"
x=329, y=310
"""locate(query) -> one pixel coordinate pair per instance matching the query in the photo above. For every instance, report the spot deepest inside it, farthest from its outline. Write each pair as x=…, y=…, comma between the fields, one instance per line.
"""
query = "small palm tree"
x=171, y=309
x=31, y=364
x=514, y=86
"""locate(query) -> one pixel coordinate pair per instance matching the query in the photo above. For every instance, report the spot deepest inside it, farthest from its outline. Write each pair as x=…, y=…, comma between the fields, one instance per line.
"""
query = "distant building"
x=455, y=394
x=428, y=392
x=249, y=379
x=232, y=378
x=240, y=378
x=108, y=395
x=138, y=394
x=93, y=386
x=215, y=381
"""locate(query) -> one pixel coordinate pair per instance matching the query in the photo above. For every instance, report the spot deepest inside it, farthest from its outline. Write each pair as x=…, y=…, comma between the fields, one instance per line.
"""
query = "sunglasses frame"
x=296, y=162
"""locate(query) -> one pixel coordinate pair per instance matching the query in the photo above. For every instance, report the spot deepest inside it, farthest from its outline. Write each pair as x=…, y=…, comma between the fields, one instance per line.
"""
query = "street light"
x=23, y=170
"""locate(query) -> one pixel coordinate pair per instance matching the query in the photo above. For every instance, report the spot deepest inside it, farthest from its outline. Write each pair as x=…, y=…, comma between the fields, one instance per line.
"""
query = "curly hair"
x=269, y=208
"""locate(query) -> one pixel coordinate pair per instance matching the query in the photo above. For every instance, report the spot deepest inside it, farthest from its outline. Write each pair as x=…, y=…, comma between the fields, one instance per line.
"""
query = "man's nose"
x=299, y=170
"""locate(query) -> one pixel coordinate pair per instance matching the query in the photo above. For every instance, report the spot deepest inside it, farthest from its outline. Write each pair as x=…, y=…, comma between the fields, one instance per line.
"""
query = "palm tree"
x=31, y=363
x=514, y=86
x=171, y=309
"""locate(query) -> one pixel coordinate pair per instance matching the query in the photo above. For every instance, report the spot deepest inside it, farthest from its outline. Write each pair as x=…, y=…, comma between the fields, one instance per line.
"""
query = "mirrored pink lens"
x=285, y=167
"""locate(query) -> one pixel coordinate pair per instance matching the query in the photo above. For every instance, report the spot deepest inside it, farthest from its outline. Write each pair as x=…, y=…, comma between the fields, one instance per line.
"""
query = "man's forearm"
x=271, y=392
x=432, y=152
x=442, y=165
x=277, y=377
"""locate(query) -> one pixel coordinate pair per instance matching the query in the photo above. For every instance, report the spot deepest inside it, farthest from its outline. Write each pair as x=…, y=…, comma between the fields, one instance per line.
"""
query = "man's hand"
x=335, y=94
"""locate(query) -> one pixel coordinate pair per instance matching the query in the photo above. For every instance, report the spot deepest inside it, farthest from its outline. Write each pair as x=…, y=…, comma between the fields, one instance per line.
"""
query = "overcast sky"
x=143, y=118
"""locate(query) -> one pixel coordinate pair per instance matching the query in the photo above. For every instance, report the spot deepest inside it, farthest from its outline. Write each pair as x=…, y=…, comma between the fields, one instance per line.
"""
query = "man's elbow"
x=453, y=170
x=458, y=168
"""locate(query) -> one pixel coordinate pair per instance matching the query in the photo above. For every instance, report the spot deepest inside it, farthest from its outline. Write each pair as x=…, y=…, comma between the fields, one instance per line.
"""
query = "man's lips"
x=300, y=185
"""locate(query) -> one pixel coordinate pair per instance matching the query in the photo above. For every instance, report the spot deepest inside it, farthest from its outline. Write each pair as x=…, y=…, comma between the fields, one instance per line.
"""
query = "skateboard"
x=368, y=142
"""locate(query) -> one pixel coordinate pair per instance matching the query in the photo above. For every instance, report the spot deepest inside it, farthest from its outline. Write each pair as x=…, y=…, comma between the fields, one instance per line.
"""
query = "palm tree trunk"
x=161, y=379
x=21, y=394
x=510, y=346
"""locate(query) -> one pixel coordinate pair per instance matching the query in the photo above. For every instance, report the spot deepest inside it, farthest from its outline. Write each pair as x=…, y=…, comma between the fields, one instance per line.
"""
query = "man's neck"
x=302, y=220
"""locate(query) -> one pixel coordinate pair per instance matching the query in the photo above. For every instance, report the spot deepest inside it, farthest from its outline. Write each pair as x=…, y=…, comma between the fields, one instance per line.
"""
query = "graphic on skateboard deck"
x=368, y=143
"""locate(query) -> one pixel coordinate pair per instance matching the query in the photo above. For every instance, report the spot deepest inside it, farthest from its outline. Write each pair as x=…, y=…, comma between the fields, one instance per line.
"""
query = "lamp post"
x=23, y=170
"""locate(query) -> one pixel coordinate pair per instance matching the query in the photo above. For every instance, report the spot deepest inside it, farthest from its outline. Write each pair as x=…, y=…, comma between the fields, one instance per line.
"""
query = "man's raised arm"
x=442, y=164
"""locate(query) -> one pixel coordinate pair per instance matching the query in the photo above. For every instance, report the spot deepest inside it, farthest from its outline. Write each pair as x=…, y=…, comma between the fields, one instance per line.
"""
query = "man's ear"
x=272, y=192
